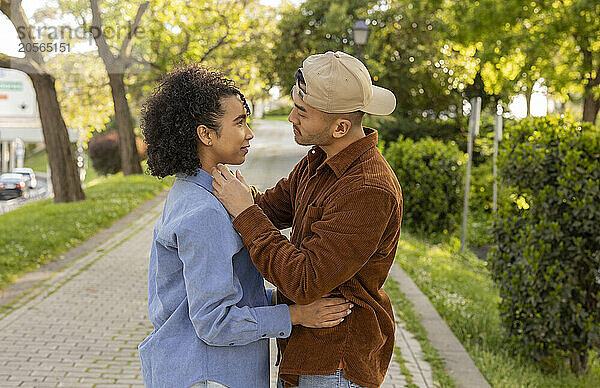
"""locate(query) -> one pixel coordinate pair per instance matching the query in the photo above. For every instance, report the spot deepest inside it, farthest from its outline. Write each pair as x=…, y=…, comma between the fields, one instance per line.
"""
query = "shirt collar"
x=202, y=178
x=341, y=161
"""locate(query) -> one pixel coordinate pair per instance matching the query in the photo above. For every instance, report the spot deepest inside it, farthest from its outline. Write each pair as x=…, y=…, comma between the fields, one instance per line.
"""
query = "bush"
x=104, y=153
x=390, y=127
x=431, y=174
x=103, y=150
x=547, y=257
x=482, y=183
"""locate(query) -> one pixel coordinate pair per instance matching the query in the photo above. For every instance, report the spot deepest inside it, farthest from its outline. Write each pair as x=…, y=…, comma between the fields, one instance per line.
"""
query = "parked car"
x=29, y=176
x=13, y=186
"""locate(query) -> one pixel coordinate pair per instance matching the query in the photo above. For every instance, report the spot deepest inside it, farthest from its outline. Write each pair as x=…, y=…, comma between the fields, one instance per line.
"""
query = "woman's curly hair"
x=186, y=97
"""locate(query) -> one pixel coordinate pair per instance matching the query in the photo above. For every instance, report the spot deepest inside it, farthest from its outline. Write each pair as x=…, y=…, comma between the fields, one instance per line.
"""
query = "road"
x=273, y=153
x=40, y=192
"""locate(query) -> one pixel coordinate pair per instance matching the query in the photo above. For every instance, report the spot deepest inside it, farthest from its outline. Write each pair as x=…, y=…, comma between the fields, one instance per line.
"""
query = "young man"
x=344, y=205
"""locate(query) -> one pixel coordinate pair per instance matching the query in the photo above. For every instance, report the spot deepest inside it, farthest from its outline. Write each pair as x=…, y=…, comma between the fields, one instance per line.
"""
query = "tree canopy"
x=434, y=54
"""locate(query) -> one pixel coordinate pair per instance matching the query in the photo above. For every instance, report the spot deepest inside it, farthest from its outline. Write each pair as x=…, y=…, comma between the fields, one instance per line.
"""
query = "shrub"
x=482, y=183
x=546, y=260
x=104, y=152
x=390, y=127
x=431, y=174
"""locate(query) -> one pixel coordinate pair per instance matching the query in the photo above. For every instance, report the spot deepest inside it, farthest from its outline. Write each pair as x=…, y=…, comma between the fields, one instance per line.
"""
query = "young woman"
x=206, y=300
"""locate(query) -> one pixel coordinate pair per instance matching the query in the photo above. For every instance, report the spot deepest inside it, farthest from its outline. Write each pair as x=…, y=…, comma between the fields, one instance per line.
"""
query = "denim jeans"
x=208, y=384
x=335, y=380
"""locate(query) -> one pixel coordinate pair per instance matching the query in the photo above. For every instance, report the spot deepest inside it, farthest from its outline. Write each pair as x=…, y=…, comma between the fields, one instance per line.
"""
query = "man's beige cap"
x=339, y=83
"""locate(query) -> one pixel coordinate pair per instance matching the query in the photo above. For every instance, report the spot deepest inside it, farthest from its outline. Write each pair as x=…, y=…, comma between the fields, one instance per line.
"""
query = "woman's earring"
x=210, y=143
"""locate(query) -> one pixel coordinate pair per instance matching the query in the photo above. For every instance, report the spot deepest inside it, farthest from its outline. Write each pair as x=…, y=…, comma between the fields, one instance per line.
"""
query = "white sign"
x=17, y=96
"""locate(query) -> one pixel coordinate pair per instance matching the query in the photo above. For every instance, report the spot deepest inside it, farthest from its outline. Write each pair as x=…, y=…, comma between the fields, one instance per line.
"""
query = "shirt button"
x=231, y=344
x=264, y=335
x=282, y=333
x=312, y=152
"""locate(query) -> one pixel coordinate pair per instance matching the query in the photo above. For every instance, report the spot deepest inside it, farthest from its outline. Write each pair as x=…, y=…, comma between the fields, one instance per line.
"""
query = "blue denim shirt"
x=206, y=299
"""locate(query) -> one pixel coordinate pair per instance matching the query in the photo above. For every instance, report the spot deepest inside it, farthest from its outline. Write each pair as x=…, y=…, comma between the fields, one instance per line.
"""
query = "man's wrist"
x=294, y=314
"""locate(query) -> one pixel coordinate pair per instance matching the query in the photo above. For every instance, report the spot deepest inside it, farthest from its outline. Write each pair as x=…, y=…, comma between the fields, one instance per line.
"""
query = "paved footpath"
x=81, y=327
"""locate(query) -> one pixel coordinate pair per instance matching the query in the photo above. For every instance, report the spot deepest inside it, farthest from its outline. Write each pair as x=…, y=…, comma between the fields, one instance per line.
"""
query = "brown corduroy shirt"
x=345, y=215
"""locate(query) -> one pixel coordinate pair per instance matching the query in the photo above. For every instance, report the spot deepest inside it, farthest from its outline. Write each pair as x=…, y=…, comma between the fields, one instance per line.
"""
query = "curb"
x=31, y=280
x=459, y=364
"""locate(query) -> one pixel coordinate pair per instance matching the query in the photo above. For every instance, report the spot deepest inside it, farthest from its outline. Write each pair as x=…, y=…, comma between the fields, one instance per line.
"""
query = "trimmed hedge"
x=546, y=262
x=431, y=174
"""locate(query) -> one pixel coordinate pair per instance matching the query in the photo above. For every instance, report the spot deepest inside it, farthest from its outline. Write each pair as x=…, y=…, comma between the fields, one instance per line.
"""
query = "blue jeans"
x=335, y=380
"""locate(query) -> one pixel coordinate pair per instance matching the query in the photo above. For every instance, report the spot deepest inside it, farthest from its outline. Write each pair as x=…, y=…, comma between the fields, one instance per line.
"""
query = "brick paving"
x=84, y=328
x=413, y=356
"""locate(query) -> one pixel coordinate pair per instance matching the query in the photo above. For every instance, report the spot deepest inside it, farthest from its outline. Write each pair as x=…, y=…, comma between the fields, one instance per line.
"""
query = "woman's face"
x=232, y=145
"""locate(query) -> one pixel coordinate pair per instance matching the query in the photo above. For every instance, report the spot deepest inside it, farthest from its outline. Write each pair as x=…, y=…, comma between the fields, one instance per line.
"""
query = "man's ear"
x=342, y=127
x=205, y=135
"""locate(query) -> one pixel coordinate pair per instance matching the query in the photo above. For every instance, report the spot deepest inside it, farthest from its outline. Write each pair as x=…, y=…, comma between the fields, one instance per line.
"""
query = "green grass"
x=90, y=176
x=39, y=232
x=405, y=312
x=38, y=161
x=460, y=288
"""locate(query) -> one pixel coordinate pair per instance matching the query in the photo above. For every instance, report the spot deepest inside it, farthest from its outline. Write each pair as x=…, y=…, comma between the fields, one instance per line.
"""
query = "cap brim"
x=382, y=104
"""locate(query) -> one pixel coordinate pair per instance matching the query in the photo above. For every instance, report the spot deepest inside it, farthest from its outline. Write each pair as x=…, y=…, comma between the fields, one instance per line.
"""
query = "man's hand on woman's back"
x=324, y=312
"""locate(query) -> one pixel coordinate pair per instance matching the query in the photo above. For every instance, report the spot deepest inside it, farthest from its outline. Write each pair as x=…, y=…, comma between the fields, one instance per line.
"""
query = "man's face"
x=310, y=125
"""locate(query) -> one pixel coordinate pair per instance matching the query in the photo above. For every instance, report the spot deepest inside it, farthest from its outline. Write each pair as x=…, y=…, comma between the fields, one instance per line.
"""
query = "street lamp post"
x=360, y=35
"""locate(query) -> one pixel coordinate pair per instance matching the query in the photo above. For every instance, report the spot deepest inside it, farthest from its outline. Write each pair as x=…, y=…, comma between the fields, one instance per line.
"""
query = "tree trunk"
x=528, y=99
x=590, y=104
x=590, y=108
x=130, y=161
x=579, y=362
x=64, y=173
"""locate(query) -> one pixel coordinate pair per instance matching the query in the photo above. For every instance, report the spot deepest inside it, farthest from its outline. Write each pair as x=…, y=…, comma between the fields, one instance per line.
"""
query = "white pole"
x=5, y=156
x=20, y=152
x=13, y=155
x=497, y=137
x=473, y=131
